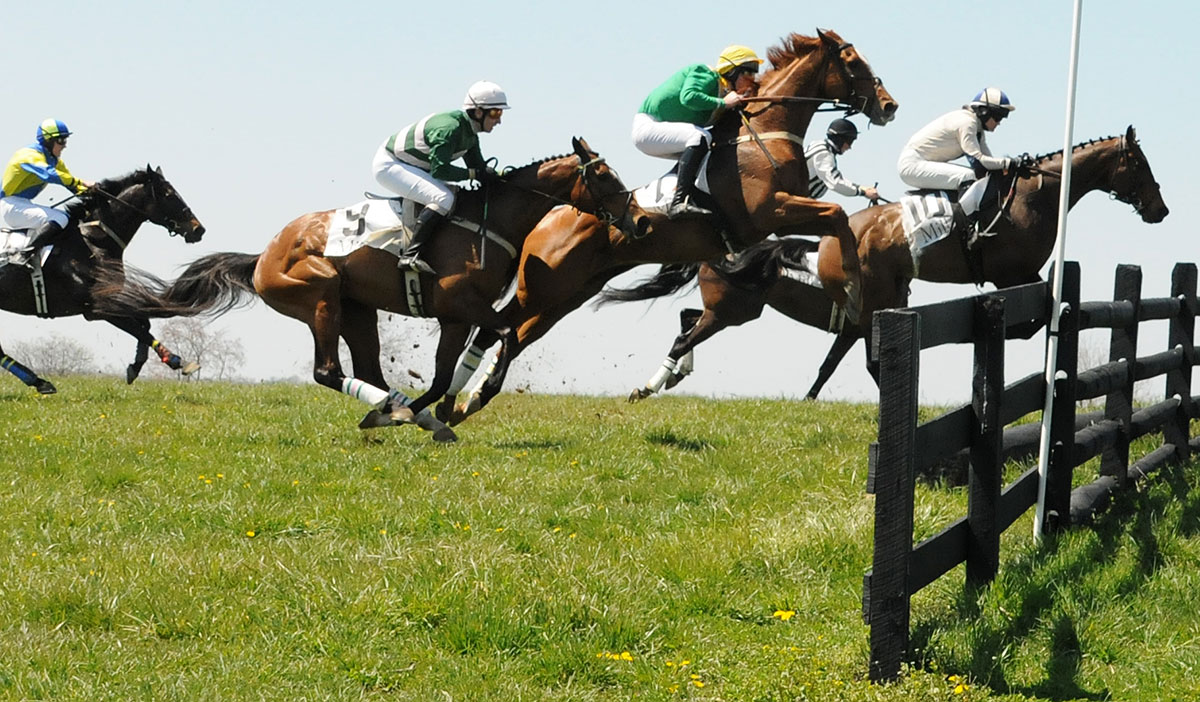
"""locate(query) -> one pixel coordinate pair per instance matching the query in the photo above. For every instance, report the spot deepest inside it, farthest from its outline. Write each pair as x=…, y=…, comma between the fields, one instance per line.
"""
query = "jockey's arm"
x=827, y=170
x=973, y=148
x=440, y=166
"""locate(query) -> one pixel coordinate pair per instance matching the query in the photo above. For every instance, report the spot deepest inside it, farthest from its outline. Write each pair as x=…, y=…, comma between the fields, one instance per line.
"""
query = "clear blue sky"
x=259, y=112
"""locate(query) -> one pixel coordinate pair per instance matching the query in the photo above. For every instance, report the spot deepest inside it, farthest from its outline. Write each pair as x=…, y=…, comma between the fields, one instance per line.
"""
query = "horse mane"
x=89, y=199
x=1054, y=154
x=790, y=48
x=514, y=171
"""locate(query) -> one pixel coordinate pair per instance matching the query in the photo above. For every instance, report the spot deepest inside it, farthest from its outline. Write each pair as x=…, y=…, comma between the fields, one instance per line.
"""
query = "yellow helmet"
x=736, y=55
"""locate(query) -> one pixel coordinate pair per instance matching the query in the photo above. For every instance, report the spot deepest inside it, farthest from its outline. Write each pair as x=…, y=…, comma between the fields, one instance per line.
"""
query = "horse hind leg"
x=25, y=375
x=697, y=327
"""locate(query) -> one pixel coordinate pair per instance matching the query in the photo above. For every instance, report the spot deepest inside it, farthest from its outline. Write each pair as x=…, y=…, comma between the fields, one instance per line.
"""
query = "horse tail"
x=670, y=279
x=212, y=285
x=757, y=268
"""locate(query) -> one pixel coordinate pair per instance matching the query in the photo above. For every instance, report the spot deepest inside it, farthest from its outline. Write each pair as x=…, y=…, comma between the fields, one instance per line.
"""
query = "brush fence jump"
x=905, y=447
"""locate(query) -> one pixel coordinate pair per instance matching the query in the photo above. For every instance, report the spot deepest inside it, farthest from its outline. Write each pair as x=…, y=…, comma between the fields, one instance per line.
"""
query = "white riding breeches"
x=921, y=173
x=665, y=139
x=411, y=182
x=22, y=213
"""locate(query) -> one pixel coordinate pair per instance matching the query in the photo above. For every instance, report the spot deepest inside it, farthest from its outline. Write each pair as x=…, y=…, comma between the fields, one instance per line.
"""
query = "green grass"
x=212, y=541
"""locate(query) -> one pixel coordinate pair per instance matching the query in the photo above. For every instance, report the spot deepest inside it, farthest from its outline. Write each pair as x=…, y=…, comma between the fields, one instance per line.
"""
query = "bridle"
x=858, y=101
x=1128, y=163
x=173, y=226
x=601, y=212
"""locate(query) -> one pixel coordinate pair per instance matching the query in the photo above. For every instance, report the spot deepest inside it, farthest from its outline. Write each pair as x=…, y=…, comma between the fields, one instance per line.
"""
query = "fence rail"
x=977, y=430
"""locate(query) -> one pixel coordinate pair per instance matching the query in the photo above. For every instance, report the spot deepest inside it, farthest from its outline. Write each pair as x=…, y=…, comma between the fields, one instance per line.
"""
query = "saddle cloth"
x=656, y=195
x=14, y=240
x=800, y=275
x=381, y=223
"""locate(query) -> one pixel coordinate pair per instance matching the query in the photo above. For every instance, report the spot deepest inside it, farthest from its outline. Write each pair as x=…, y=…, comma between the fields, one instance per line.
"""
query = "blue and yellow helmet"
x=52, y=129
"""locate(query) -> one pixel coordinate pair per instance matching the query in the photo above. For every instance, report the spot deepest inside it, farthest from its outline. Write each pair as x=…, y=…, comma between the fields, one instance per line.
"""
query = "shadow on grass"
x=1034, y=585
x=666, y=437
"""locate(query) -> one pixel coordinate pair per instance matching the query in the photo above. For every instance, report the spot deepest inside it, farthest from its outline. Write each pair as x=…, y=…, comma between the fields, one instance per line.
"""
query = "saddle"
x=13, y=243
x=655, y=197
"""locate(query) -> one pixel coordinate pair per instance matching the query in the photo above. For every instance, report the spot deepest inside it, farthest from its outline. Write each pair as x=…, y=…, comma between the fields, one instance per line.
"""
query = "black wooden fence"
x=905, y=447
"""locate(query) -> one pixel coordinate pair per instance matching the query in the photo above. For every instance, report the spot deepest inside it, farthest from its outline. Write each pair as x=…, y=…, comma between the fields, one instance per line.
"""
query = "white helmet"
x=486, y=95
x=993, y=99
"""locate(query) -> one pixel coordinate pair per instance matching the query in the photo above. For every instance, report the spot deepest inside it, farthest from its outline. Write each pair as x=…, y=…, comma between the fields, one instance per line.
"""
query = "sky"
x=260, y=112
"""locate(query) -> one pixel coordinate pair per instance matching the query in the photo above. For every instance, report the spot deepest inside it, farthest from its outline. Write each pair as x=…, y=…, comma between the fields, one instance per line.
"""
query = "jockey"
x=416, y=161
x=671, y=122
x=28, y=172
x=924, y=160
x=821, y=158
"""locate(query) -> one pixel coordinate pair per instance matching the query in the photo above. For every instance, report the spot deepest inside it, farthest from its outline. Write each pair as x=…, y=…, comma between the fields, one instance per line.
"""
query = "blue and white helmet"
x=993, y=99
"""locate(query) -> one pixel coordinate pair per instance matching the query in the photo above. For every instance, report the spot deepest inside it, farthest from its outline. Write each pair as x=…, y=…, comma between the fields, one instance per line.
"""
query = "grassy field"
x=224, y=542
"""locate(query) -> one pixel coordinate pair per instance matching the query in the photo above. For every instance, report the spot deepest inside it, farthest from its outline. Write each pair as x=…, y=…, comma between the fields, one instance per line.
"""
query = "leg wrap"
x=660, y=377
x=362, y=391
x=466, y=368
x=23, y=374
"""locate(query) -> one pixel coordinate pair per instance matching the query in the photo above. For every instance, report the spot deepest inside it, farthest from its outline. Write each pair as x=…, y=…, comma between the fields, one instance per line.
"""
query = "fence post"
x=1118, y=404
x=1062, y=419
x=896, y=348
x=987, y=465
x=1180, y=334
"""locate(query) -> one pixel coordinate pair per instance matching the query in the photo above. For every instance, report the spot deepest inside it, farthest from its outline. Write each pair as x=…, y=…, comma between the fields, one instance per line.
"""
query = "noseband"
x=601, y=212
x=858, y=102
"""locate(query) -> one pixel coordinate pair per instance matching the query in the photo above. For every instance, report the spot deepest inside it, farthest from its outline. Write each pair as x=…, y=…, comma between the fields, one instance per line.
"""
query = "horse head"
x=164, y=206
x=854, y=82
x=1133, y=182
x=603, y=193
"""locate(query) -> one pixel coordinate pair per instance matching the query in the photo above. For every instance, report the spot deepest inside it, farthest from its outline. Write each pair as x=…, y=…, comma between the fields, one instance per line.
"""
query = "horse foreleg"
x=695, y=326
x=471, y=361
x=25, y=375
x=842, y=343
x=133, y=370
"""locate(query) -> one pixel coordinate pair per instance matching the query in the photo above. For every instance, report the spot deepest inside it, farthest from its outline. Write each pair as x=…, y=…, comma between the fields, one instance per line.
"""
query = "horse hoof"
x=466, y=409
x=131, y=374
x=375, y=419
x=45, y=387
x=189, y=368
x=401, y=415
x=445, y=435
x=640, y=394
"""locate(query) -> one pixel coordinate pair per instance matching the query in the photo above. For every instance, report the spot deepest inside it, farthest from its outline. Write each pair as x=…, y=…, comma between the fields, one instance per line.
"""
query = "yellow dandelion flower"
x=295, y=482
x=499, y=529
x=626, y=656
x=250, y=533
x=220, y=475
x=383, y=532
x=670, y=664
x=555, y=530
x=474, y=474
x=784, y=614
x=200, y=477
x=208, y=482
x=698, y=683
x=694, y=676
x=684, y=663
x=573, y=535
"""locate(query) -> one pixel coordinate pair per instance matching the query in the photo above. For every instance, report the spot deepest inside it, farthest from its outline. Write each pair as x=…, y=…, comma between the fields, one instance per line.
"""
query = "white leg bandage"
x=362, y=391
x=660, y=377
x=466, y=368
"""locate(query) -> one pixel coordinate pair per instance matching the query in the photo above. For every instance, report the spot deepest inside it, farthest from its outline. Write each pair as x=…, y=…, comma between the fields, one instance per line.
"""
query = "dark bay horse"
x=340, y=295
x=103, y=221
x=736, y=293
x=759, y=183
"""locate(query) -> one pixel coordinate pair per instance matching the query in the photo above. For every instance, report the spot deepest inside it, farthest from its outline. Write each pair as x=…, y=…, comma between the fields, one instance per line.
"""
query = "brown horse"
x=759, y=184
x=736, y=293
x=340, y=295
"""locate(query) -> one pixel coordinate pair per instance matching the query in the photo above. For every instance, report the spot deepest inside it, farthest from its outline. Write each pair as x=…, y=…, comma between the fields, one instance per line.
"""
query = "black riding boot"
x=48, y=233
x=427, y=221
x=685, y=187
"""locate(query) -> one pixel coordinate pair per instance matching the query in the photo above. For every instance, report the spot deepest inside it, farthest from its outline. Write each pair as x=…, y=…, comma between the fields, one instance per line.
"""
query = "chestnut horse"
x=340, y=295
x=736, y=293
x=759, y=183
x=102, y=224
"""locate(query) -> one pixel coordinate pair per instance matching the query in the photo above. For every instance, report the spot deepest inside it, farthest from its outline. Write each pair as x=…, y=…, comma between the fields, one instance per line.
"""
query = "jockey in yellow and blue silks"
x=415, y=162
x=28, y=172
x=673, y=119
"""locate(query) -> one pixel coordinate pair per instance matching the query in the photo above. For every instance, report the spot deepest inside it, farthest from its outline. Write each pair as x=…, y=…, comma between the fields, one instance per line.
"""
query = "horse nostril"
x=199, y=229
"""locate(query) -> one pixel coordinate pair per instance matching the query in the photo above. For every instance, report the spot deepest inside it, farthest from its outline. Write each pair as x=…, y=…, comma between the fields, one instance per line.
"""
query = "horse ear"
x=580, y=147
x=158, y=170
x=828, y=39
x=1130, y=134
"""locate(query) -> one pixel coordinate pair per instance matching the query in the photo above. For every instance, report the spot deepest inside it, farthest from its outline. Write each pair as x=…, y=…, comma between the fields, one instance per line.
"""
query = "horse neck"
x=1092, y=168
x=803, y=77
x=122, y=220
x=525, y=202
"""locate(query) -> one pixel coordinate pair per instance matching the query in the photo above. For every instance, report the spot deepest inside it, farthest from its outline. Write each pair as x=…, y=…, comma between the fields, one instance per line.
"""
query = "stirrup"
x=685, y=207
x=414, y=263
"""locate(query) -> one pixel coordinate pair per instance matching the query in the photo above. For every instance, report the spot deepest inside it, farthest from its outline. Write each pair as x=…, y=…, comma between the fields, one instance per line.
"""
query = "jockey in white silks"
x=924, y=161
x=416, y=161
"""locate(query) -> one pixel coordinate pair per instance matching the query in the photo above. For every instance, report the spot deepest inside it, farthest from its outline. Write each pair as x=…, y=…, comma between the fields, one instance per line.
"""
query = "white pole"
x=1060, y=246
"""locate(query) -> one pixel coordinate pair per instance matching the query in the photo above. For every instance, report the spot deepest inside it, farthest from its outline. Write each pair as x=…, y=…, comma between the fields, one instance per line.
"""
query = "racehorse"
x=103, y=221
x=736, y=293
x=759, y=184
x=340, y=295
